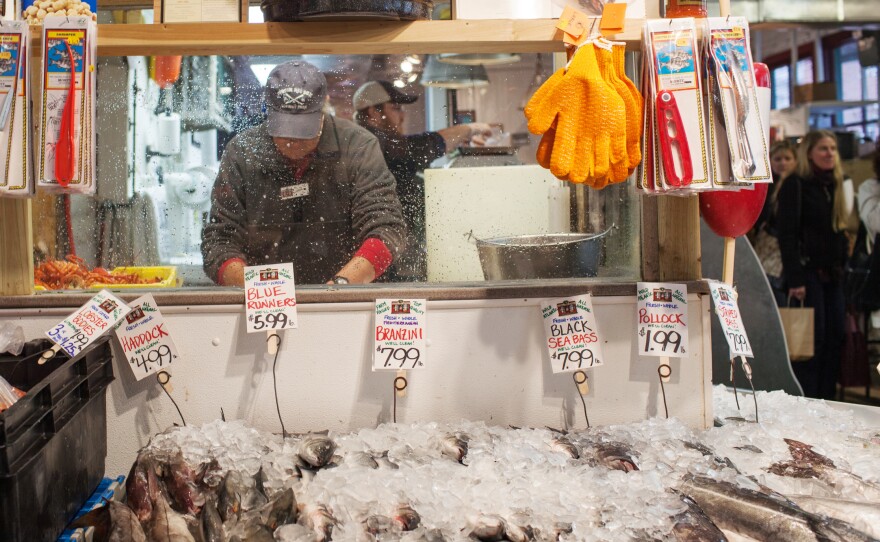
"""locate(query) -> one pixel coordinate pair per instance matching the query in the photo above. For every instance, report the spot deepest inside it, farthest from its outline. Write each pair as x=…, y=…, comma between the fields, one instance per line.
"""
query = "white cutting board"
x=490, y=202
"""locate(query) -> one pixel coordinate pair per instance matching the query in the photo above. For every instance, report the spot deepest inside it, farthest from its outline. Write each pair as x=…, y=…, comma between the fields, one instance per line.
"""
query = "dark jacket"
x=406, y=156
x=351, y=198
x=807, y=239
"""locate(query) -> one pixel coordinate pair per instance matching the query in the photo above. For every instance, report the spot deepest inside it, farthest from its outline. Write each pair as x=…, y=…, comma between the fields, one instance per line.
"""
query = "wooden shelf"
x=390, y=37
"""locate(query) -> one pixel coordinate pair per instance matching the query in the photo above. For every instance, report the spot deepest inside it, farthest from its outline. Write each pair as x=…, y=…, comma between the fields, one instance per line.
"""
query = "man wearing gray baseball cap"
x=303, y=187
x=379, y=109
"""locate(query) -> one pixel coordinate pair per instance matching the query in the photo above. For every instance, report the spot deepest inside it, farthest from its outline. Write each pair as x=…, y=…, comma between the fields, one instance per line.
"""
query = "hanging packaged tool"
x=17, y=177
x=675, y=102
x=737, y=133
x=67, y=138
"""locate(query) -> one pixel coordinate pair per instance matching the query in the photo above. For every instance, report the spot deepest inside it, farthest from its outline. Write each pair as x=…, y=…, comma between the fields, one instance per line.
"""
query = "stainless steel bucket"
x=546, y=256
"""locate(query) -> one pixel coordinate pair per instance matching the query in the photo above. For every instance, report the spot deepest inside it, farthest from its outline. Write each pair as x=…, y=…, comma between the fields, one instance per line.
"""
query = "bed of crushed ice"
x=516, y=474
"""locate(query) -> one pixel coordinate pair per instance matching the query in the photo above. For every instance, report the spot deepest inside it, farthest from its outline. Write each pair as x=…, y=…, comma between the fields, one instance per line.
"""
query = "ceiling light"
x=406, y=66
x=438, y=74
x=475, y=59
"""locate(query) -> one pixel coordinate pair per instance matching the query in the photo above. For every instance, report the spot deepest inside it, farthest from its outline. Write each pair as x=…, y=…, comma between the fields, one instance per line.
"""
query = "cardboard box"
x=815, y=92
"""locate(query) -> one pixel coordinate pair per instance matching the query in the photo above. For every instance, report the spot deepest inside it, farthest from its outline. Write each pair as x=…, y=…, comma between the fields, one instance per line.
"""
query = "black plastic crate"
x=54, y=439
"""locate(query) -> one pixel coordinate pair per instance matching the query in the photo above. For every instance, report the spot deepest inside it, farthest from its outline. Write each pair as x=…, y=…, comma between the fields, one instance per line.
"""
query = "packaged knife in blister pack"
x=66, y=138
x=16, y=175
x=737, y=136
x=676, y=98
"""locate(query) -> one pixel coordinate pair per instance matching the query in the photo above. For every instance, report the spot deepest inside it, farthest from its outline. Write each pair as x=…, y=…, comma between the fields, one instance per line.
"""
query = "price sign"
x=572, y=334
x=400, y=334
x=662, y=320
x=89, y=322
x=270, y=297
x=144, y=338
x=724, y=298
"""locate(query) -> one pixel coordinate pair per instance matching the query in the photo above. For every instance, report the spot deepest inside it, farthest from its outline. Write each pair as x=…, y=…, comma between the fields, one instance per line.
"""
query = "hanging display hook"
x=580, y=382
x=164, y=380
x=275, y=379
x=664, y=371
x=747, y=369
x=733, y=380
x=400, y=384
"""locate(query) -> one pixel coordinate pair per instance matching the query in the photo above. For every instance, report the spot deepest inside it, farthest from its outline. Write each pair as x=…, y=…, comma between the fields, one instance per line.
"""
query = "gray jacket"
x=351, y=198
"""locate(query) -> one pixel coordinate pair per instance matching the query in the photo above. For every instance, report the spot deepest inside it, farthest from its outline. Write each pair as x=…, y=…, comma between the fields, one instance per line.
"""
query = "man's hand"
x=358, y=271
x=480, y=132
x=233, y=275
x=798, y=293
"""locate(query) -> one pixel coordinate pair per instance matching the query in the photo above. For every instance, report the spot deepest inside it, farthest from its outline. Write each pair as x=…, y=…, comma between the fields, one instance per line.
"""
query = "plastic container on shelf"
x=686, y=8
x=326, y=10
x=166, y=275
x=53, y=441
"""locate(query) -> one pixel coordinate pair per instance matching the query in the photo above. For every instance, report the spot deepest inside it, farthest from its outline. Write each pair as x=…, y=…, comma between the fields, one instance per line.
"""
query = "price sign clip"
x=49, y=354
x=580, y=381
x=664, y=371
x=400, y=384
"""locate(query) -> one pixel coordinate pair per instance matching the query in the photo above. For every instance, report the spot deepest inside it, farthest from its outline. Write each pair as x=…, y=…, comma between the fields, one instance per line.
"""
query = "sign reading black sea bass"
x=83, y=327
x=270, y=297
x=662, y=320
x=572, y=334
x=400, y=334
x=144, y=338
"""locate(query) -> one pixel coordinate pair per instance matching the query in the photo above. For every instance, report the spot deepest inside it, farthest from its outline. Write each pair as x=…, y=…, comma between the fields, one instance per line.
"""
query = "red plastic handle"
x=65, y=158
x=673, y=139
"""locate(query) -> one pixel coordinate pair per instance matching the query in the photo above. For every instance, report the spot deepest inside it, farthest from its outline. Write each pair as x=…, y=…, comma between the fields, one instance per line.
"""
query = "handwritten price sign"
x=144, y=338
x=400, y=334
x=724, y=298
x=270, y=297
x=83, y=327
x=572, y=334
x=662, y=320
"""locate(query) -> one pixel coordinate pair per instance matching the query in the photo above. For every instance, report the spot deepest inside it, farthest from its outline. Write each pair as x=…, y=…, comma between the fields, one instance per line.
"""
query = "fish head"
x=282, y=509
x=617, y=456
x=316, y=450
x=488, y=527
x=455, y=446
x=408, y=518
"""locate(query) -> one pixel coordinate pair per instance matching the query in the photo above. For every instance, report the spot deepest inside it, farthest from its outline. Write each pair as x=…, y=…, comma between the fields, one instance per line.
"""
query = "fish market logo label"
x=108, y=306
x=135, y=315
x=400, y=307
x=268, y=274
x=662, y=295
x=294, y=98
x=566, y=308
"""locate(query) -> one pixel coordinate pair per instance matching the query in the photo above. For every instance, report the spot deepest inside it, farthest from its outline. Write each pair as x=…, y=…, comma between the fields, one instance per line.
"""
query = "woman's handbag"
x=767, y=248
x=798, y=323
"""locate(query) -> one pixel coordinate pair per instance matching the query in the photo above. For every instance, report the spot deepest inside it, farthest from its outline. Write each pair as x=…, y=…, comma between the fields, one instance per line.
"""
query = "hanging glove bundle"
x=590, y=115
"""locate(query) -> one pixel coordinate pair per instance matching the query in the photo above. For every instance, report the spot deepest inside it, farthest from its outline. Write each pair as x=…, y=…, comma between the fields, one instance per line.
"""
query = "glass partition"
x=433, y=167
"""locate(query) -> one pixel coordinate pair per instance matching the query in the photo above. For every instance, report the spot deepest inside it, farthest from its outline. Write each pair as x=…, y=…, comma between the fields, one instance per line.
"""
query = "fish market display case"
x=53, y=441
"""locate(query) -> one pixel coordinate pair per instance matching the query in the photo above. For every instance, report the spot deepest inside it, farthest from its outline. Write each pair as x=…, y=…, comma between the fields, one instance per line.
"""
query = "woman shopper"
x=764, y=235
x=811, y=218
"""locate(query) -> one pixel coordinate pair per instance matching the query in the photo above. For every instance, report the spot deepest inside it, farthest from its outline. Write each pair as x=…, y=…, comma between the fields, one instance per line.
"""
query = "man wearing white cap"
x=303, y=187
x=379, y=109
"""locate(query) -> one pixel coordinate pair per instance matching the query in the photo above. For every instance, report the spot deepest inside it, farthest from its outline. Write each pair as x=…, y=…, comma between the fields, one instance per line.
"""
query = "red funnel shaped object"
x=65, y=158
x=729, y=213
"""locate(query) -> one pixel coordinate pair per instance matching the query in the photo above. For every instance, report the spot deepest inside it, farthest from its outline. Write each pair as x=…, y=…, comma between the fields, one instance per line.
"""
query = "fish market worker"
x=303, y=187
x=379, y=109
